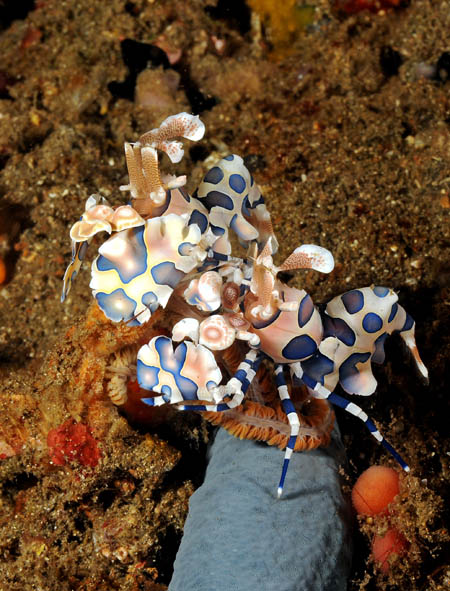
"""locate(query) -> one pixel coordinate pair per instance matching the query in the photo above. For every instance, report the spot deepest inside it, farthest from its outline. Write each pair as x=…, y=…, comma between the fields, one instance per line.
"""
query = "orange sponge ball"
x=374, y=490
x=385, y=546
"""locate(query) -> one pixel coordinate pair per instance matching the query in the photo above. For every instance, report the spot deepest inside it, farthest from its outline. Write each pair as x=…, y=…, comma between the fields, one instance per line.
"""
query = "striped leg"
x=358, y=412
x=299, y=376
x=294, y=423
x=236, y=387
x=319, y=391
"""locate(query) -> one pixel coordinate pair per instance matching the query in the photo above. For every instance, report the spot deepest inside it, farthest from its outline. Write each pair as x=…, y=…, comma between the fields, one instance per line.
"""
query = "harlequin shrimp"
x=166, y=240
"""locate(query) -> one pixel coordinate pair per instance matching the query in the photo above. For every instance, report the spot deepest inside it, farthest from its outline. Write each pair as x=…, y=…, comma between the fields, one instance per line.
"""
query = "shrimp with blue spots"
x=166, y=240
x=234, y=201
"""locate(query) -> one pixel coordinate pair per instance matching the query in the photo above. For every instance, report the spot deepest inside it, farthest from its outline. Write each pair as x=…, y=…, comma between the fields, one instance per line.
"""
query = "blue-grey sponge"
x=239, y=537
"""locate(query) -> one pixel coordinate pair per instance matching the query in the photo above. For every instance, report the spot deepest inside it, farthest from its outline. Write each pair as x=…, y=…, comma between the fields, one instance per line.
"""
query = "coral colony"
x=167, y=240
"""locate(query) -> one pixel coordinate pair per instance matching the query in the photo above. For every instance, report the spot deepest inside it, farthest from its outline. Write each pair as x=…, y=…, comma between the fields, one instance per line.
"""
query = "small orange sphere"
x=385, y=546
x=374, y=490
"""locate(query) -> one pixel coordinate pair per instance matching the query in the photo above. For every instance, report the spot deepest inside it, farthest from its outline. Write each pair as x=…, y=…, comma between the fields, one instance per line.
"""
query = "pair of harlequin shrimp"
x=166, y=239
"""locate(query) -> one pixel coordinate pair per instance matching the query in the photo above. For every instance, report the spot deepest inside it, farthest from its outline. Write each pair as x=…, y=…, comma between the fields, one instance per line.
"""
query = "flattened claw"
x=410, y=341
x=78, y=253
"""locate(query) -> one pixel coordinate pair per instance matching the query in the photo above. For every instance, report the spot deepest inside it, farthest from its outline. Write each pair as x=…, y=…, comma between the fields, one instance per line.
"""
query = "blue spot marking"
x=378, y=355
x=353, y=301
x=230, y=157
x=308, y=381
x=257, y=202
x=305, y=311
x=241, y=232
x=187, y=387
x=166, y=391
x=299, y=348
x=117, y=305
x=167, y=274
x=264, y=323
x=185, y=248
x=409, y=323
x=336, y=327
x=147, y=375
x=150, y=300
x=149, y=401
x=380, y=291
x=393, y=312
x=217, y=198
x=214, y=175
x=139, y=254
x=252, y=180
x=317, y=367
x=245, y=206
x=104, y=264
x=199, y=218
x=162, y=208
x=233, y=224
x=237, y=183
x=348, y=370
x=372, y=322
x=185, y=194
x=217, y=231
x=82, y=250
